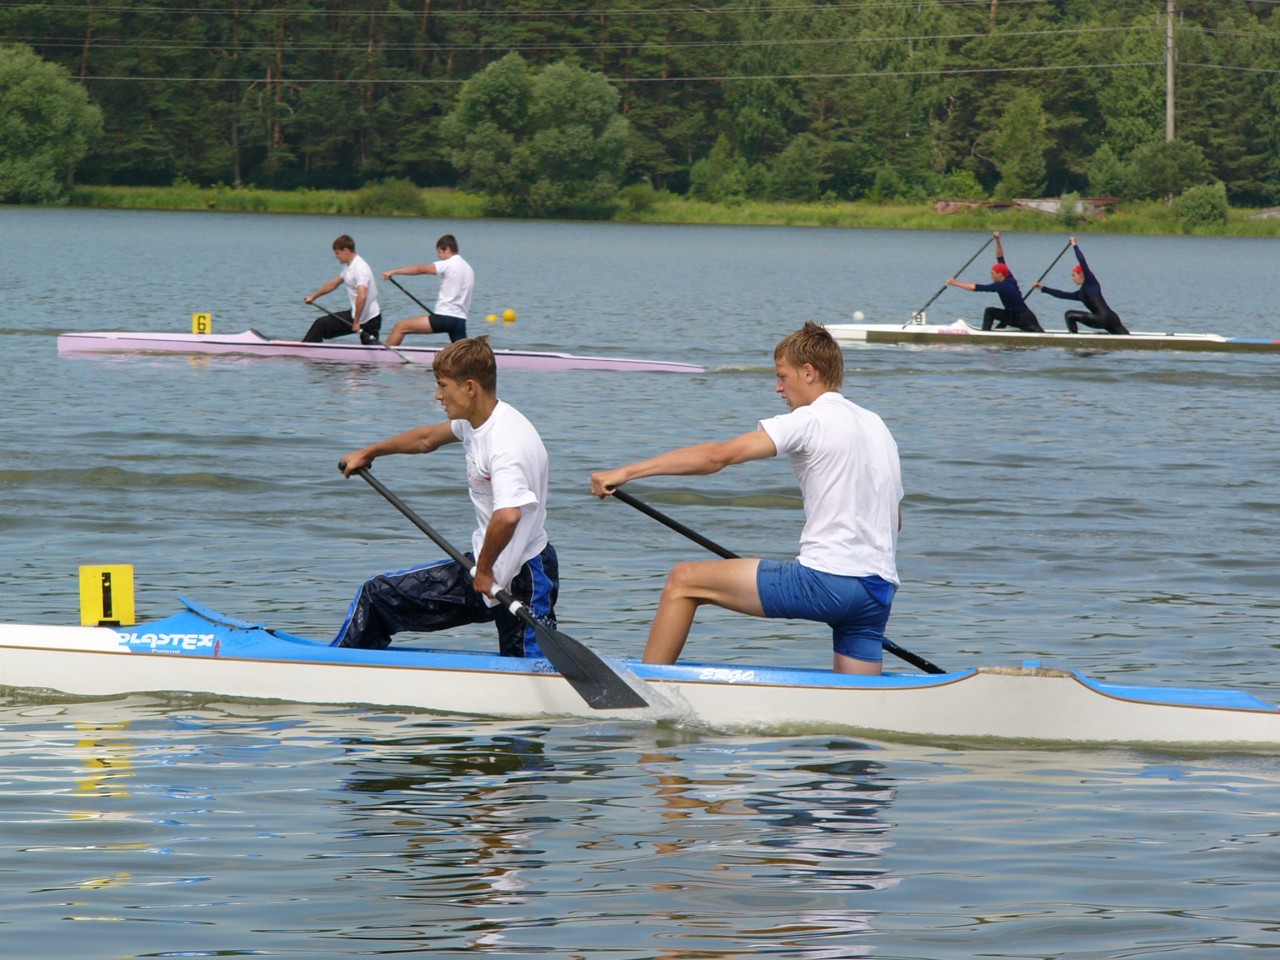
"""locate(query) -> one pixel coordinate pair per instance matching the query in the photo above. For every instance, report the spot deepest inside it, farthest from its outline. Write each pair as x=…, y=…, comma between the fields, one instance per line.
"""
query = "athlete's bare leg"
x=412, y=325
x=726, y=583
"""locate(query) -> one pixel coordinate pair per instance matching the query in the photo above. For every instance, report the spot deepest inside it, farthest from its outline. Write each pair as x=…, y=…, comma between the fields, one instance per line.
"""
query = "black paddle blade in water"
x=594, y=680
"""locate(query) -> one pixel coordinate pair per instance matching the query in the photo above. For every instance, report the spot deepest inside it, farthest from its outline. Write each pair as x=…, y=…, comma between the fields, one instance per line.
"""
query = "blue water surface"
x=1113, y=513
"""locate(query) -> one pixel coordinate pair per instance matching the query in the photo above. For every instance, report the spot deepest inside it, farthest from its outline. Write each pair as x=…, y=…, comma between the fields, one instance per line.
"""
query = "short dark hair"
x=447, y=242
x=468, y=359
x=814, y=345
x=344, y=242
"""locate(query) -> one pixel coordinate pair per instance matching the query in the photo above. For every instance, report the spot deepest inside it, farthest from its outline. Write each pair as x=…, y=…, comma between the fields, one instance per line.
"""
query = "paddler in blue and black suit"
x=1098, y=314
x=1013, y=311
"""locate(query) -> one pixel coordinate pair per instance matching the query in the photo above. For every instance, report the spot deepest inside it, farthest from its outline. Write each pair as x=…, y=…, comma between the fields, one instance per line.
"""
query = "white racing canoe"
x=960, y=332
x=199, y=651
x=250, y=343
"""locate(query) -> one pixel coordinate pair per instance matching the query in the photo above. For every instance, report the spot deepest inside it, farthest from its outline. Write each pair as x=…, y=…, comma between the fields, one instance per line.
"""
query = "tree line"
x=552, y=108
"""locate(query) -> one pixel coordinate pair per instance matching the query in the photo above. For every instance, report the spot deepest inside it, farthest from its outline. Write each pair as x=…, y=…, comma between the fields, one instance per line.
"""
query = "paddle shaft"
x=914, y=659
x=376, y=342
x=674, y=524
x=410, y=295
x=323, y=309
x=590, y=676
x=943, y=288
x=1034, y=288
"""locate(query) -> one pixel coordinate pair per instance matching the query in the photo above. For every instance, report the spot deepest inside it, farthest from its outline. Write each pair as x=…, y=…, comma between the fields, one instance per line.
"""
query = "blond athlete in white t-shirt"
x=847, y=464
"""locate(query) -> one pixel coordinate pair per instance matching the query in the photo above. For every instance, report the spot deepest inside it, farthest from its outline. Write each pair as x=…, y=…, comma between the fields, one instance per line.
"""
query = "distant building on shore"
x=1085, y=207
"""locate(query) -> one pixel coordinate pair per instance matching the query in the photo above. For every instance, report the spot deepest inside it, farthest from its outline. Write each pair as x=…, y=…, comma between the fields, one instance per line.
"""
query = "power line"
x=593, y=14
x=112, y=43
x=1224, y=67
x=727, y=78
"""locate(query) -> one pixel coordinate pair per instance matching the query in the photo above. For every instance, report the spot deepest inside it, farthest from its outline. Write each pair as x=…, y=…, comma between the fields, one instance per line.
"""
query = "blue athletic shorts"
x=455, y=327
x=856, y=608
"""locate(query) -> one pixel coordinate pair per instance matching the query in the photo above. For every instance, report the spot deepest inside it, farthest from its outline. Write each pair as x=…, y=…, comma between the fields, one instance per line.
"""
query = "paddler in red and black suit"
x=1097, y=314
x=1014, y=311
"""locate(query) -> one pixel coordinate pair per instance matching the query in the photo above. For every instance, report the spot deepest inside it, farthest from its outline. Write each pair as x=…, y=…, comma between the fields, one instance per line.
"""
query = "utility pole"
x=1168, y=70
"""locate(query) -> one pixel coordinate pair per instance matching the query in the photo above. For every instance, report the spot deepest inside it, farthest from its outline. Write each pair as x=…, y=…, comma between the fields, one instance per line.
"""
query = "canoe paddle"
x=415, y=299
x=1034, y=286
x=914, y=659
x=590, y=676
x=375, y=343
x=943, y=288
x=410, y=296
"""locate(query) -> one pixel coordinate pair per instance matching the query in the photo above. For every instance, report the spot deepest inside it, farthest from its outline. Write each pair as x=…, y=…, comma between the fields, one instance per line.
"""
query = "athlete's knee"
x=405, y=327
x=681, y=579
x=697, y=581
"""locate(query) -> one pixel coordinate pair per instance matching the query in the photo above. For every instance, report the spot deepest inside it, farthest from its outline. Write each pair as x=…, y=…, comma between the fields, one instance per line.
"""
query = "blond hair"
x=814, y=345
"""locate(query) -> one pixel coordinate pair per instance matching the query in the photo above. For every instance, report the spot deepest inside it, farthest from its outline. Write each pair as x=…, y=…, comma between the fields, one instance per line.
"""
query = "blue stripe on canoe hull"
x=1180, y=696
x=198, y=631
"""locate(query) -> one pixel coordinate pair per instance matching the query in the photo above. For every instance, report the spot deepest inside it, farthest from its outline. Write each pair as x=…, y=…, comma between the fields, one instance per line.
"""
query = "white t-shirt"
x=456, y=282
x=357, y=274
x=507, y=467
x=847, y=464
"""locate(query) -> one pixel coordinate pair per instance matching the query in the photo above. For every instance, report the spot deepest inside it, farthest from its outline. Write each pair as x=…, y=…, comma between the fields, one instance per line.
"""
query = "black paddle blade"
x=590, y=676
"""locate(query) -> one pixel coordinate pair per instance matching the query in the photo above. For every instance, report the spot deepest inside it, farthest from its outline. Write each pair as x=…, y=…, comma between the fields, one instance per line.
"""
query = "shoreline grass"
x=398, y=198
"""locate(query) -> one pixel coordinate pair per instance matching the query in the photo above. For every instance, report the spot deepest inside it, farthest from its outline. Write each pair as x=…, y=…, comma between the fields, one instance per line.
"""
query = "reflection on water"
x=482, y=824
x=177, y=827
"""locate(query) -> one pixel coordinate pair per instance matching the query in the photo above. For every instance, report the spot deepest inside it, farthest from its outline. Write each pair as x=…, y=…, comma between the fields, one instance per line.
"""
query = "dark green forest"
x=777, y=99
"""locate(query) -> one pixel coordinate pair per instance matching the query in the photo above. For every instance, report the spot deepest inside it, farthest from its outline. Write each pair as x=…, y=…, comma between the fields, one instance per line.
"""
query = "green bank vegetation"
x=390, y=199
x=650, y=206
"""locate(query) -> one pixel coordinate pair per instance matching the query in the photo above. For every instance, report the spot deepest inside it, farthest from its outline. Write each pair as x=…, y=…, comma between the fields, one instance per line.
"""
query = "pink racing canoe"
x=250, y=343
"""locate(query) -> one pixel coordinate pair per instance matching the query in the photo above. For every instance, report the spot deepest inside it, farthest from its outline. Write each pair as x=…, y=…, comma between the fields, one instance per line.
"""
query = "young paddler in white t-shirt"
x=847, y=464
x=507, y=468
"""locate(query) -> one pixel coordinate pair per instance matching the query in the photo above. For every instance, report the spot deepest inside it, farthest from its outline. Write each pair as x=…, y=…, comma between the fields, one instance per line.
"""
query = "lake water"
x=1114, y=513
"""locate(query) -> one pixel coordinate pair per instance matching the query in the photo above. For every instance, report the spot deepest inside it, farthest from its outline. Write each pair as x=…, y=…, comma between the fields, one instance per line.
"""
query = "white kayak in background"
x=918, y=331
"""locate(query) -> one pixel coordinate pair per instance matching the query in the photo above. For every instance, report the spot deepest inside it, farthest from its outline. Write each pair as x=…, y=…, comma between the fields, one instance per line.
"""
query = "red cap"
x=1001, y=269
x=1078, y=269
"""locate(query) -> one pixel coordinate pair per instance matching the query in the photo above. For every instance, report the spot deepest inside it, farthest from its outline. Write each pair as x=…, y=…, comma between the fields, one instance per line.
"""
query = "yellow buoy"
x=508, y=315
x=491, y=318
